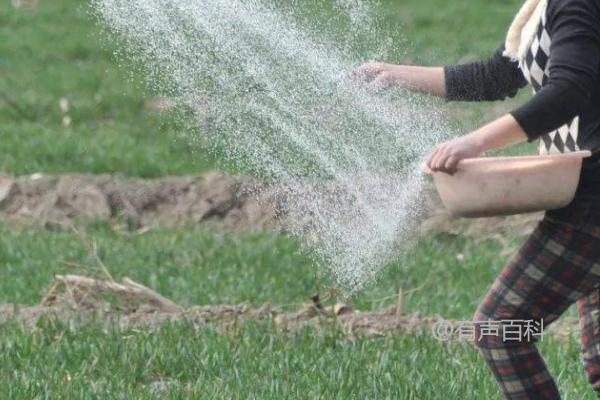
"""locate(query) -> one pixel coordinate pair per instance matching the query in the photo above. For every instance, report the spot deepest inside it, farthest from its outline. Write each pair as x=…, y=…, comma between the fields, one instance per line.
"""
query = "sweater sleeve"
x=493, y=79
x=574, y=27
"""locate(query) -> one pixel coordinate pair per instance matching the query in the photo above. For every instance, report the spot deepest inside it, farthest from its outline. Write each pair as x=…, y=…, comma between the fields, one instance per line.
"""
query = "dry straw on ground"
x=75, y=300
x=26, y=5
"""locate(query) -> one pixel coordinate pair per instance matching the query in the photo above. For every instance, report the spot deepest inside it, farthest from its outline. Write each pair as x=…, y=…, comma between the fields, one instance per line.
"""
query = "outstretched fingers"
x=366, y=72
x=381, y=82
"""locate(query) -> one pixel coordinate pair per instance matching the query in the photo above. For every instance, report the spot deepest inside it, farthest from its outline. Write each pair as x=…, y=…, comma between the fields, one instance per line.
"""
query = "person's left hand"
x=446, y=156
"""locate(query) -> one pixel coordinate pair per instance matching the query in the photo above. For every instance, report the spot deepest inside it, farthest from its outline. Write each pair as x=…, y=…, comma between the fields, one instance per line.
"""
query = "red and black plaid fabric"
x=557, y=266
x=589, y=310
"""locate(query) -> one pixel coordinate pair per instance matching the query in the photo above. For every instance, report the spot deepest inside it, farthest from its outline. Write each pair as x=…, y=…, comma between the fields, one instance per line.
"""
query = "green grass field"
x=193, y=266
x=57, y=53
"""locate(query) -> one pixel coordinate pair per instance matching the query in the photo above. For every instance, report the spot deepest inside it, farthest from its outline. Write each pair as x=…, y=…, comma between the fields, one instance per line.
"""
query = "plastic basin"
x=492, y=186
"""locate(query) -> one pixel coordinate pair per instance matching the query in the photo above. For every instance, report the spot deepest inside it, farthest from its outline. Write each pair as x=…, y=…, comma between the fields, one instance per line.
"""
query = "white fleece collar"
x=523, y=29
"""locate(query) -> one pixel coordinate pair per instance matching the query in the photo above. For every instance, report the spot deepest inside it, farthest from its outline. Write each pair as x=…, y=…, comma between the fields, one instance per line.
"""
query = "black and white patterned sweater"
x=563, y=67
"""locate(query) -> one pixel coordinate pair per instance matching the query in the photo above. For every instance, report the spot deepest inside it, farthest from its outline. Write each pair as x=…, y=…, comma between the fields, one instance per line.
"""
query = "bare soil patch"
x=75, y=300
x=62, y=201
x=78, y=299
x=230, y=202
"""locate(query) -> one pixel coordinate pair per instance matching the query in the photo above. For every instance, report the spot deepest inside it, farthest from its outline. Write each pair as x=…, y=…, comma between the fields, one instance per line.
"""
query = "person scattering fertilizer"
x=554, y=45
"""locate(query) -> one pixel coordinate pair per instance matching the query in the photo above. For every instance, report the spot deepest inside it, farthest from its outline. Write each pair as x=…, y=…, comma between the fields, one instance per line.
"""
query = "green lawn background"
x=57, y=52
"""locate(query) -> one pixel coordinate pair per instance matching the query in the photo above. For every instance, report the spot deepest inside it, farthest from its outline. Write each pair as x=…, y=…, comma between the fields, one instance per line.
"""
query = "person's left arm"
x=573, y=73
x=500, y=133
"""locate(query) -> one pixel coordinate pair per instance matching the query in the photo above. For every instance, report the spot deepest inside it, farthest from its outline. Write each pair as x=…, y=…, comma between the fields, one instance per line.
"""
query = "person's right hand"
x=377, y=76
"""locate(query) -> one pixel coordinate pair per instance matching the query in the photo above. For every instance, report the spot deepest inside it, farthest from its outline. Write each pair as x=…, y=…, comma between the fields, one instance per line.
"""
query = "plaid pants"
x=558, y=265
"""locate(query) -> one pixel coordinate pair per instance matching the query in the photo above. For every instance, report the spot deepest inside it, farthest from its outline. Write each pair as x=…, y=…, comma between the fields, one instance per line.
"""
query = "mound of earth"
x=77, y=299
x=61, y=201
x=230, y=202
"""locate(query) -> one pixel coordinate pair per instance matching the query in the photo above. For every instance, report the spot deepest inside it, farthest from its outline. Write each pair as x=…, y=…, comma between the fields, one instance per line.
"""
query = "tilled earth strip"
x=77, y=300
x=231, y=202
x=62, y=201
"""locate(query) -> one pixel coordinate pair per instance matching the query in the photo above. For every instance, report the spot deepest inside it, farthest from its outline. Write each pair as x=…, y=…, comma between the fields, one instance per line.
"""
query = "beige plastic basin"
x=489, y=186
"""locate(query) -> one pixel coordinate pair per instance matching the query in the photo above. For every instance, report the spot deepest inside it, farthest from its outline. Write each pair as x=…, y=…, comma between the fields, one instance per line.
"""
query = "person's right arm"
x=492, y=79
x=428, y=80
